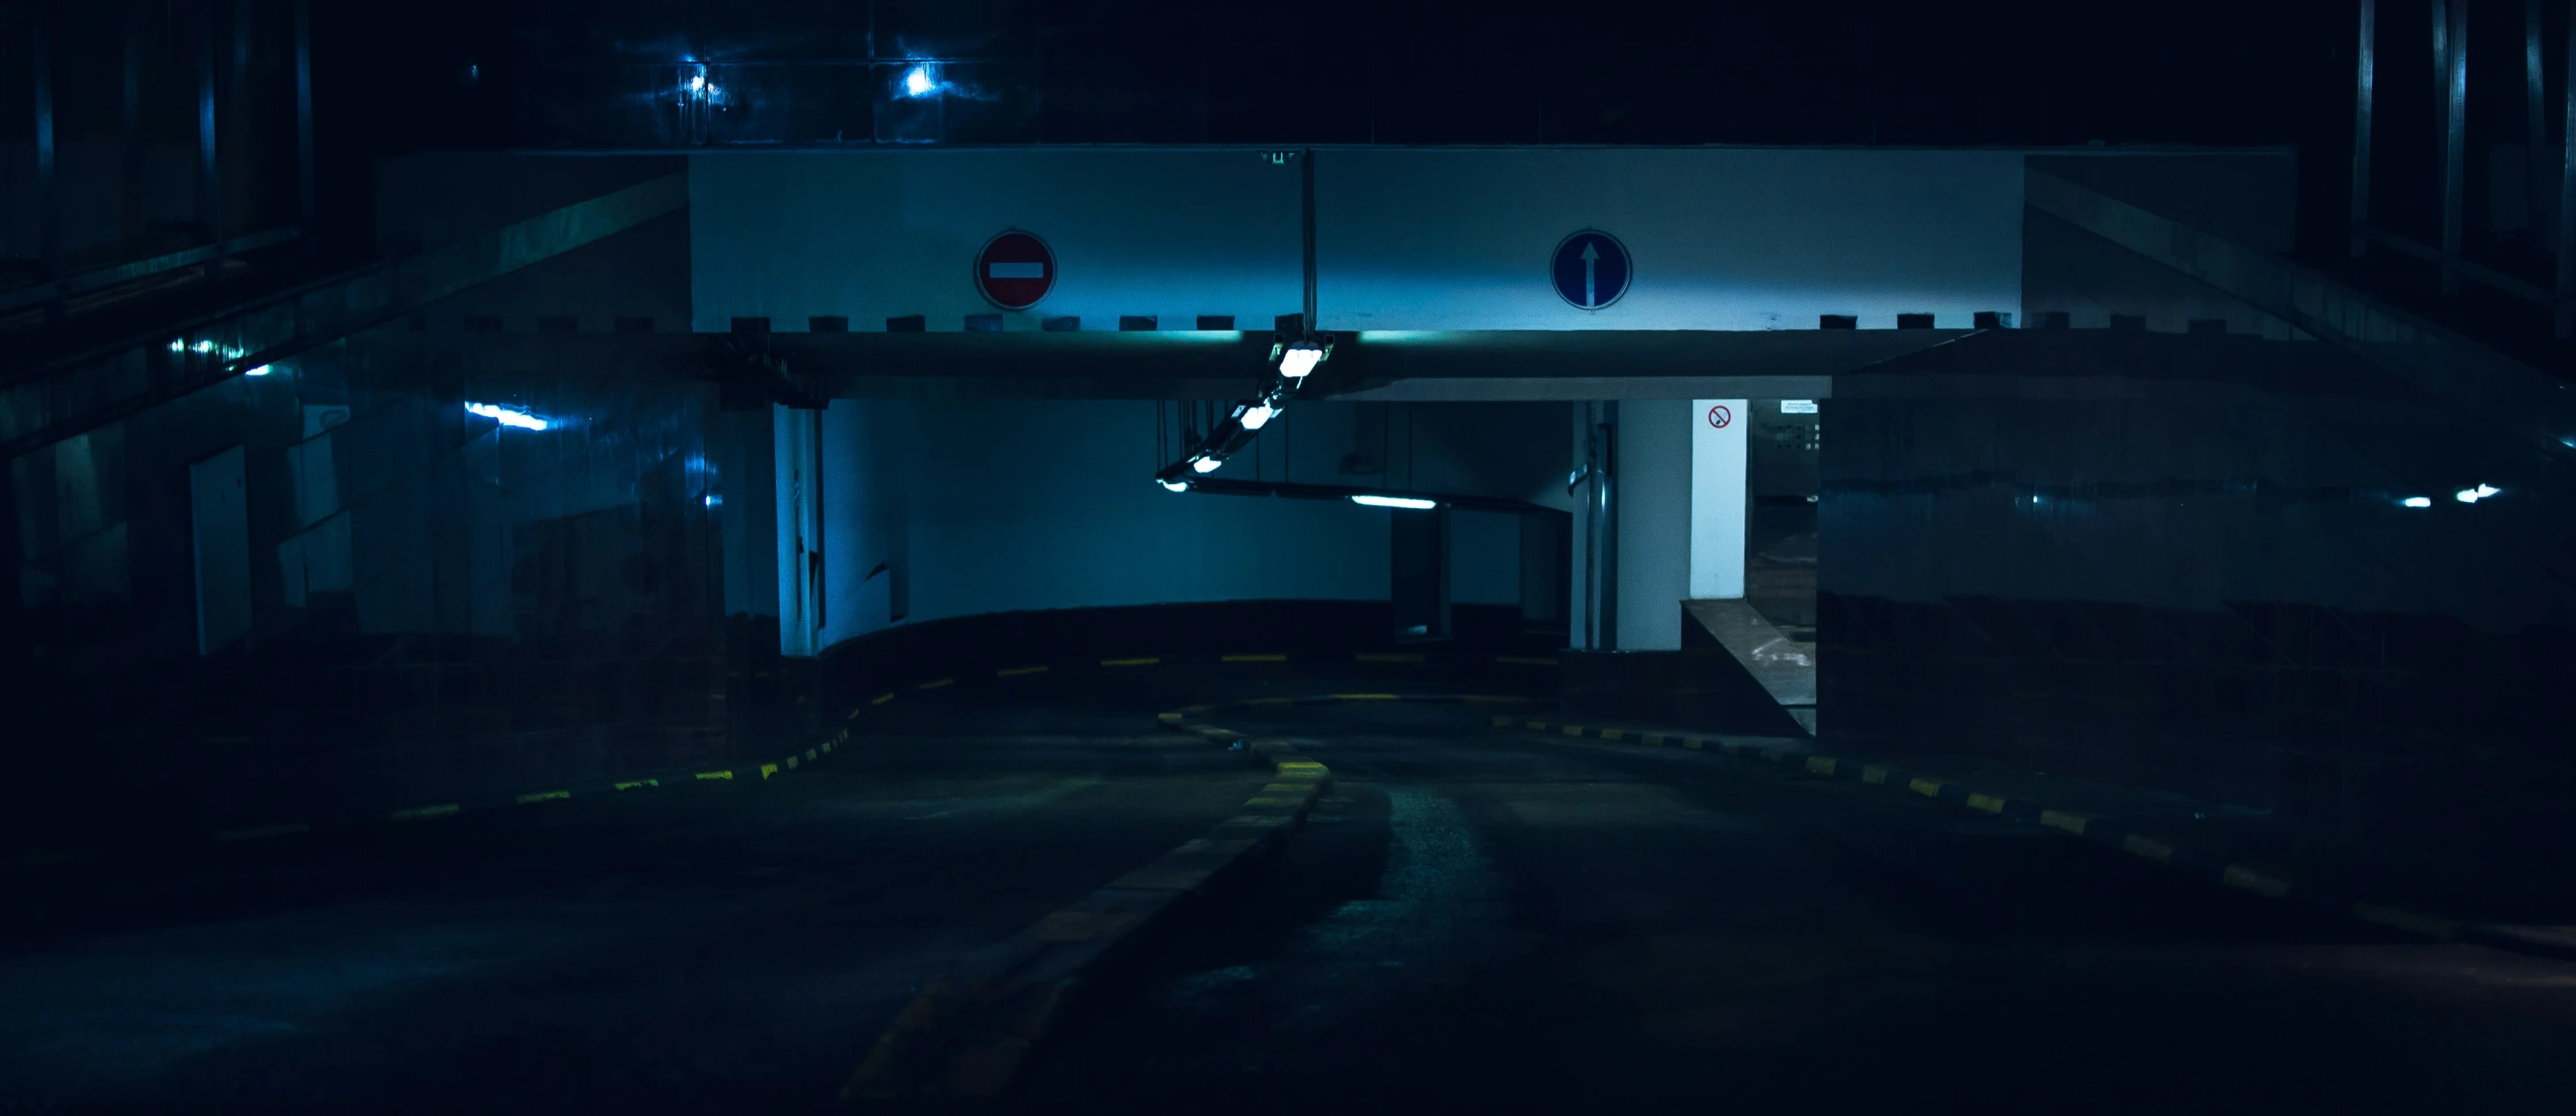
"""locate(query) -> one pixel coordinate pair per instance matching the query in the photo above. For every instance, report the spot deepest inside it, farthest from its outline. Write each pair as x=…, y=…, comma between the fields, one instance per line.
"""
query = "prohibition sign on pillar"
x=1014, y=270
x=1720, y=417
x=1590, y=269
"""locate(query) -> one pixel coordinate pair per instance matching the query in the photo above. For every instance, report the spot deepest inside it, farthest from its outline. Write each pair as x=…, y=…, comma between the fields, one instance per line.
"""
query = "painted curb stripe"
x=1255, y=659
x=544, y=796
x=1017, y=672
x=2212, y=869
x=1017, y=990
x=419, y=813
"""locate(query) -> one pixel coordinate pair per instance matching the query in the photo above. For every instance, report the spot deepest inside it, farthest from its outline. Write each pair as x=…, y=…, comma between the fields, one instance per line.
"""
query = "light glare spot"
x=506, y=416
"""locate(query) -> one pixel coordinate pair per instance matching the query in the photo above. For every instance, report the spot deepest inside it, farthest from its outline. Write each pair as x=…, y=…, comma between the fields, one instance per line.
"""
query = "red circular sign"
x=1014, y=270
x=1719, y=416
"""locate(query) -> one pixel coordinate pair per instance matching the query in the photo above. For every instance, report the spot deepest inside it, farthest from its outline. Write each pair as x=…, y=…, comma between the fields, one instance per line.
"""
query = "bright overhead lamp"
x=918, y=82
x=1206, y=464
x=1175, y=485
x=1253, y=417
x=2416, y=502
x=2473, y=495
x=261, y=370
x=1408, y=503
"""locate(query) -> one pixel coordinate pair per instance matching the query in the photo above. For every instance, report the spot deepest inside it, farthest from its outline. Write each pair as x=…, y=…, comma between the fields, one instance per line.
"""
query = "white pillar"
x=800, y=531
x=1717, y=498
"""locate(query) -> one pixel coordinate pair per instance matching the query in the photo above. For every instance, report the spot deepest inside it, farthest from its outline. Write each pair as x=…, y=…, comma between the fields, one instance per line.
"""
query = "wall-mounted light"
x=1408, y=503
x=2416, y=502
x=506, y=416
x=2473, y=495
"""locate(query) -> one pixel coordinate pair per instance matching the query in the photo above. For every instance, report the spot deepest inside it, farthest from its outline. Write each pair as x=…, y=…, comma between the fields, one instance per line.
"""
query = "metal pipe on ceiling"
x=2455, y=126
x=2364, y=58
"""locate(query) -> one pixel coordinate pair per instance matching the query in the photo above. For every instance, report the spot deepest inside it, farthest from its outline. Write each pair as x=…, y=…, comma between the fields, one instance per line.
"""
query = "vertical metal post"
x=308, y=209
x=2364, y=58
x=237, y=114
x=2567, y=193
x=2455, y=126
x=49, y=196
x=210, y=197
x=1306, y=186
x=1605, y=513
x=2535, y=122
x=130, y=166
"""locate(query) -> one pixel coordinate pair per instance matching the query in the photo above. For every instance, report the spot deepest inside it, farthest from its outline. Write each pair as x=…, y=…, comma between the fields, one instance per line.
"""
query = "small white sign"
x=1797, y=406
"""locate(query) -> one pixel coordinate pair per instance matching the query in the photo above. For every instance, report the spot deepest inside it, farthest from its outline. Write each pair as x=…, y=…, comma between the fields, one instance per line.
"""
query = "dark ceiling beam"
x=1496, y=364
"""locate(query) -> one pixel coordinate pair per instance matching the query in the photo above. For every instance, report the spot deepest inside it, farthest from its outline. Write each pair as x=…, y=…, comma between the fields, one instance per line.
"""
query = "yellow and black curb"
x=2104, y=831
x=761, y=772
x=968, y=1033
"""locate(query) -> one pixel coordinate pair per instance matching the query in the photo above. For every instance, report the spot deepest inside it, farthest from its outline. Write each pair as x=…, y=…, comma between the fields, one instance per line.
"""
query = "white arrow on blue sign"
x=1590, y=269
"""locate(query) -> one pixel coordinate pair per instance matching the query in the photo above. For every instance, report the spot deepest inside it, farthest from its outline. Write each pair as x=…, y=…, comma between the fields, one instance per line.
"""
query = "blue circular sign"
x=1590, y=269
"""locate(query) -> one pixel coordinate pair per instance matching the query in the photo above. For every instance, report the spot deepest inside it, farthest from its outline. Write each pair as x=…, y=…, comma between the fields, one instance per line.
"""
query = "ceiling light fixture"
x=1408, y=503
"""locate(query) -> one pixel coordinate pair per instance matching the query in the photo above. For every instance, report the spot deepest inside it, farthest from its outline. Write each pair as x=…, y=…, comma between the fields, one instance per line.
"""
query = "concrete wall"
x=990, y=506
x=1732, y=238
x=438, y=606
x=2249, y=197
x=879, y=234
x=1723, y=238
x=998, y=506
x=427, y=200
x=2185, y=562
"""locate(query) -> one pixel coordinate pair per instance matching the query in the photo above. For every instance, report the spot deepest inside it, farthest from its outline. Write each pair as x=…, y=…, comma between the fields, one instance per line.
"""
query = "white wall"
x=879, y=234
x=1723, y=238
x=993, y=506
x=1484, y=558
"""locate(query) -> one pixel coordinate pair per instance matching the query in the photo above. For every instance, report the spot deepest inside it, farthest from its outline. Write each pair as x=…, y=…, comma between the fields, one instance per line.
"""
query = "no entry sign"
x=1014, y=270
